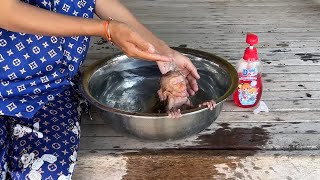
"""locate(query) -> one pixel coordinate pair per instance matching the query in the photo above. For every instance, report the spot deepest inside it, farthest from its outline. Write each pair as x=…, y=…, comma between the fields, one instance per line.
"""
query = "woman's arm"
x=21, y=17
x=114, y=9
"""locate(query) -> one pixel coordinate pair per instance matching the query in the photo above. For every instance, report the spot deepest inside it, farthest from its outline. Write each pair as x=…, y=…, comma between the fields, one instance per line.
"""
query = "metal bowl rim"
x=91, y=69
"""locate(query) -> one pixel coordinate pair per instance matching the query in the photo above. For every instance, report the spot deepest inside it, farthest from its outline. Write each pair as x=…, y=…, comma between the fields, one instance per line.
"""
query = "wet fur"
x=166, y=93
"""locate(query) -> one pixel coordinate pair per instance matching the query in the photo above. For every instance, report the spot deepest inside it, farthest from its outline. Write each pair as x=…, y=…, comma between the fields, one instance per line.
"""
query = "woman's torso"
x=35, y=68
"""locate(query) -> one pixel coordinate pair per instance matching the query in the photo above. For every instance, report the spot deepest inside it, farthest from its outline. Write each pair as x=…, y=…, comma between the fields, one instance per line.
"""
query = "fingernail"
x=151, y=49
x=166, y=58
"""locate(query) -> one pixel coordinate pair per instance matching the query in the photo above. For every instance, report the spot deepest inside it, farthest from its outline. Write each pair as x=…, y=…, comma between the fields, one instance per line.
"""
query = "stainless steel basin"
x=124, y=89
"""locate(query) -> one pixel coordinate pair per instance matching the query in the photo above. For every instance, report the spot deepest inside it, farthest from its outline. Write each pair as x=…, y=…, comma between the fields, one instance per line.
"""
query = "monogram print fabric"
x=34, y=68
x=45, y=146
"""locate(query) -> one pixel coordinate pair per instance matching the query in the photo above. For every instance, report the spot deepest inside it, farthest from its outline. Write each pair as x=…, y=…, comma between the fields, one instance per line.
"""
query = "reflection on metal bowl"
x=124, y=89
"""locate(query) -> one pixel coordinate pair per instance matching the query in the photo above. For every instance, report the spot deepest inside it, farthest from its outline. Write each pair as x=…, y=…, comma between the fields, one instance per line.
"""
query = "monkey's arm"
x=171, y=103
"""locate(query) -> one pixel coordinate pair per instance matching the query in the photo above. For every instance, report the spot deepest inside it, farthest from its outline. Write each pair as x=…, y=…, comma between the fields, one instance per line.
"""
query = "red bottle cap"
x=252, y=39
x=251, y=53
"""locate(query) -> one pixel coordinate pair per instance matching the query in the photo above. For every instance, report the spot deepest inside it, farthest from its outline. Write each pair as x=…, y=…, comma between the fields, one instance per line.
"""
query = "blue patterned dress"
x=39, y=128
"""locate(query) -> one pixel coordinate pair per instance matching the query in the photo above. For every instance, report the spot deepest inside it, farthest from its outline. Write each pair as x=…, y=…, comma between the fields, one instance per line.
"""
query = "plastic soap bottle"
x=249, y=67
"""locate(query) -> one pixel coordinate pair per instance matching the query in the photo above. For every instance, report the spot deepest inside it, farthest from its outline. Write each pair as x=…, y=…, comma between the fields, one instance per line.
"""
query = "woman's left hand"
x=185, y=66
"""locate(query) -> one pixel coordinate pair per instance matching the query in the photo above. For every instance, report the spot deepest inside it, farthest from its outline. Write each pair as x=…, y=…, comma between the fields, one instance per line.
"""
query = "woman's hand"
x=132, y=44
x=121, y=13
x=185, y=66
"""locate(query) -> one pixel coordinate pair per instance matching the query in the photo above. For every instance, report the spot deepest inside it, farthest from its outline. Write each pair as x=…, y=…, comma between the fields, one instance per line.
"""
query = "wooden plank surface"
x=281, y=144
x=219, y=136
x=190, y=165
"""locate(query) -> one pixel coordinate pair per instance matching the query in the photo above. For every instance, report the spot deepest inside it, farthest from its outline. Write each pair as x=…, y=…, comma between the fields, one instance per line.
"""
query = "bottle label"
x=249, y=74
x=247, y=88
x=248, y=93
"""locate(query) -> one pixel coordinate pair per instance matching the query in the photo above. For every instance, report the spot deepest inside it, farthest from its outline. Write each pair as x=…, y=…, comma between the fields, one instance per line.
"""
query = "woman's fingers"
x=141, y=44
x=140, y=48
x=192, y=82
x=133, y=44
x=190, y=67
x=133, y=51
x=189, y=70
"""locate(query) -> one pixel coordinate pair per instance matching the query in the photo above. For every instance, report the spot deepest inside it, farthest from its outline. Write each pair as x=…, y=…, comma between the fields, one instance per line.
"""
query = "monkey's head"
x=172, y=83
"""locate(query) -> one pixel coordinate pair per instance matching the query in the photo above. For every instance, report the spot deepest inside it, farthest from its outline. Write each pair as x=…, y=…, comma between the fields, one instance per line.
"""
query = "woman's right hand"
x=132, y=44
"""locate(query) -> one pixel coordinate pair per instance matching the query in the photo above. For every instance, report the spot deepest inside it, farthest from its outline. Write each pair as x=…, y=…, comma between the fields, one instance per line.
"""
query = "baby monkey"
x=173, y=91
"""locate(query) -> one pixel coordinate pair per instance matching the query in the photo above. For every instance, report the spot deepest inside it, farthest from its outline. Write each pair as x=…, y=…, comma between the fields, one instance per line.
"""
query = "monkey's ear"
x=162, y=95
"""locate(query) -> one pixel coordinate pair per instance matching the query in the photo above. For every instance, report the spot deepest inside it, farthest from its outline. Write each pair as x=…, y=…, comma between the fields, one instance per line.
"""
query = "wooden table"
x=281, y=144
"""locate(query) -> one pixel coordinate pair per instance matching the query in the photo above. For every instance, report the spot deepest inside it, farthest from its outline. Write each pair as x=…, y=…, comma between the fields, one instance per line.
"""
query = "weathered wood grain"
x=192, y=165
x=227, y=117
x=219, y=136
x=272, y=127
x=289, y=47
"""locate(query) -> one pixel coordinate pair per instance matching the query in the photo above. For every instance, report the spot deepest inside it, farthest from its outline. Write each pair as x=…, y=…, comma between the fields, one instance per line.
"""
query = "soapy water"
x=135, y=90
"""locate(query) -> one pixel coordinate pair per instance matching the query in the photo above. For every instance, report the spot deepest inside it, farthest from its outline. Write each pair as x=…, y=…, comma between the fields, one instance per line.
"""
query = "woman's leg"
x=4, y=145
x=45, y=147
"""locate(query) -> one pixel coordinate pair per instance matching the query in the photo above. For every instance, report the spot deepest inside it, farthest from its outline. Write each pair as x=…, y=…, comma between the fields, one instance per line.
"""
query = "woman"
x=42, y=44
